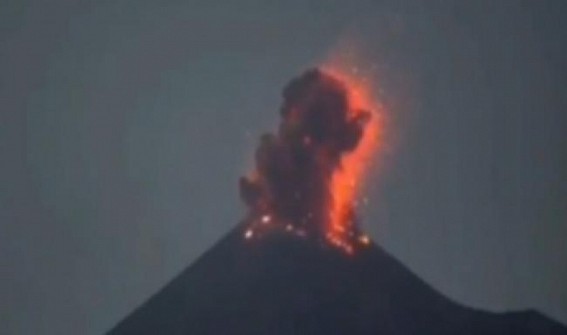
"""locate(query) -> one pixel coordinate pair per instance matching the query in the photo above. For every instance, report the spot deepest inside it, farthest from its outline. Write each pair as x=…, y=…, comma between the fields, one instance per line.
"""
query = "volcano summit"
x=299, y=263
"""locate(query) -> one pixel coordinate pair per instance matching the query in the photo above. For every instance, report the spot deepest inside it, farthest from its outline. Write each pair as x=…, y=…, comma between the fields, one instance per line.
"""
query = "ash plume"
x=292, y=177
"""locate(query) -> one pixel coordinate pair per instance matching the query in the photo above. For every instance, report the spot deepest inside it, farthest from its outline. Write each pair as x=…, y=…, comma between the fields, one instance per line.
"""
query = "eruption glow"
x=347, y=179
x=309, y=173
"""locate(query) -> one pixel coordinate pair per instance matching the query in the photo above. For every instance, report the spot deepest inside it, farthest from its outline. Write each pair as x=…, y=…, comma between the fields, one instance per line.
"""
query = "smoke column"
x=304, y=181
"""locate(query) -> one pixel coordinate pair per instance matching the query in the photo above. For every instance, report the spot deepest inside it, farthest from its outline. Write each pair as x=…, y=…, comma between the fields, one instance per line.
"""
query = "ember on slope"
x=307, y=174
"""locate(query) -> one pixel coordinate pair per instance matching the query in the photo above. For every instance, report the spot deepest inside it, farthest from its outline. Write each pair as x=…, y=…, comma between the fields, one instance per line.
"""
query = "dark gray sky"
x=124, y=126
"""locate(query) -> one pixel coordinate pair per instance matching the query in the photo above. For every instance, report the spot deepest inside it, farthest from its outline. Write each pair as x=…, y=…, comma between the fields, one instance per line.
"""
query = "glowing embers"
x=266, y=218
x=364, y=239
x=249, y=233
x=264, y=225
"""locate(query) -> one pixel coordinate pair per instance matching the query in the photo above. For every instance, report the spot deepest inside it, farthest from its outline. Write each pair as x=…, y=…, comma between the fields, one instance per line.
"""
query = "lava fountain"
x=308, y=174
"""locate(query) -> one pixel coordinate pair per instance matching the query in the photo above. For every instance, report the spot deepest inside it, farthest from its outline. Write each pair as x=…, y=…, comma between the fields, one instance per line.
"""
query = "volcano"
x=299, y=262
x=283, y=284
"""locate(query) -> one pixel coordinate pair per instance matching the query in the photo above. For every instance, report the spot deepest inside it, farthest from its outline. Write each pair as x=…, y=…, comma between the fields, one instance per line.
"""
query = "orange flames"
x=347, y=180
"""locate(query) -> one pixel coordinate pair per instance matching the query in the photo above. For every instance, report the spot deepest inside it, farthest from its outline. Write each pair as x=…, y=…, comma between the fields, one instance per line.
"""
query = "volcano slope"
x=284, y=284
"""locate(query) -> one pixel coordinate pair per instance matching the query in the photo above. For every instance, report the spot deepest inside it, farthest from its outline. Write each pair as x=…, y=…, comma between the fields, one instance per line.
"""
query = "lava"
x=347, y=178
x=308, y=174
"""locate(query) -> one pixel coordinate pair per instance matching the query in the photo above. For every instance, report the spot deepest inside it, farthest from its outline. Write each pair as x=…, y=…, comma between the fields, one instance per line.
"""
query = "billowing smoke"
x=291, y=183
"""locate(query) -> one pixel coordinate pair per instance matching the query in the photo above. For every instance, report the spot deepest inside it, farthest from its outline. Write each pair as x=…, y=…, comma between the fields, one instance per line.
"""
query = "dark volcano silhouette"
x=282, y=284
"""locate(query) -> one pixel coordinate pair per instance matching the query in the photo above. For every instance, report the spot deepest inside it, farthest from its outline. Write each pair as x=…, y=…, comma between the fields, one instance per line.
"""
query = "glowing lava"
x=347, y=179
x=308, y=174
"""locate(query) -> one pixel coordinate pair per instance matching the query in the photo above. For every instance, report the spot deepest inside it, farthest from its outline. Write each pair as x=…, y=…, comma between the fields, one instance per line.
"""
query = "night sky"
x=125, y=125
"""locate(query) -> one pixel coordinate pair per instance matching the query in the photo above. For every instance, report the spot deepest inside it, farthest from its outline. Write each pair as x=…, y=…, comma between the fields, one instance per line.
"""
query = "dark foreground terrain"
x=283, y=284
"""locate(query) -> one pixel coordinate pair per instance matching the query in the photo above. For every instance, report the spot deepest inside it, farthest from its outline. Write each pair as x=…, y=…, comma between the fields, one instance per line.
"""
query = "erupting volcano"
x=273, y=274
x=306, y=175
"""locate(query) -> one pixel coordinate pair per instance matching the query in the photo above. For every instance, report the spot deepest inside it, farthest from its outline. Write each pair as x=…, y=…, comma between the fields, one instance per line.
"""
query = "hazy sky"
x=124, y=126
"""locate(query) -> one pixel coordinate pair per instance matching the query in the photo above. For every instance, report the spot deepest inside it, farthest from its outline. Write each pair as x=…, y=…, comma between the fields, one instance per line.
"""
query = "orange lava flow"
x=347, y=180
